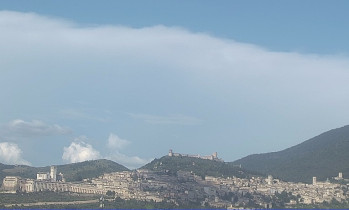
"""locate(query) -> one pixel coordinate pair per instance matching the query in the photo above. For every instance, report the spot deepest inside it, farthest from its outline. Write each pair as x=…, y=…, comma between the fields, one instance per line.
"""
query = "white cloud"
x=34, y=128
x=171, y=119
x=116, y=142
x=130, y=162
x=79, y=151
x=10, y=153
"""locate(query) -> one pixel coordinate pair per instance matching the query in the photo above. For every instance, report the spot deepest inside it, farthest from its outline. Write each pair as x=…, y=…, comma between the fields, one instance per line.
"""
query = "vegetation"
x=47, y=196
x=322, y=156
x=89, y=169
x=198, y=166
x=72, y=172
x=334, y=204
x=117, y=203
x=57, y=206
x=280, y=199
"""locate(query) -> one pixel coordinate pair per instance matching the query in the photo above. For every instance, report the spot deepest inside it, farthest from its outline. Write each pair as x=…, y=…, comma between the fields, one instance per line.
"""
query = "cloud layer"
x=115, y=142
x=172, y=119
x=250, y=98
x=130, y=162
x=10, y=153
x=34, y=128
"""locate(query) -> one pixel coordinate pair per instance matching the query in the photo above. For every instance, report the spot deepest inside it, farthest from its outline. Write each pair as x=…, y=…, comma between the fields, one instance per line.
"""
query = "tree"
x=110, y=193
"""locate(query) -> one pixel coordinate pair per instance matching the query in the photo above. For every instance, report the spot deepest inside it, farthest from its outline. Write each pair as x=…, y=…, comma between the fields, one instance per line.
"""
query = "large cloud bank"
x=251, y=98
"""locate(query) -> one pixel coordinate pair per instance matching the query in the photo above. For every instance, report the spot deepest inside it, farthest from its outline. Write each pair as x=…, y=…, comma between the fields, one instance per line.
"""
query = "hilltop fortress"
x=214, y=156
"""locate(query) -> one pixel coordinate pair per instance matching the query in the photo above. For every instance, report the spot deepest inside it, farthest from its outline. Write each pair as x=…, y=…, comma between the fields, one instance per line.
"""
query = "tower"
x=314, y=180
x=340, y=175
x=270, y=179
x=170, y=153
x=215, y=155
x=53, y=173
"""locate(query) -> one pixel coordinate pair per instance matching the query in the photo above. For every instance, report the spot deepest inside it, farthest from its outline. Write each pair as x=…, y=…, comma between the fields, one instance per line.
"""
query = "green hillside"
x=322, y=156
x=198, y=166
x=89, y=169
x=72, y=172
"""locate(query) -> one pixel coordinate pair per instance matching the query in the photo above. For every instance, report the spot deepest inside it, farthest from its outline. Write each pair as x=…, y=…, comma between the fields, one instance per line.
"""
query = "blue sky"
x=128, y=80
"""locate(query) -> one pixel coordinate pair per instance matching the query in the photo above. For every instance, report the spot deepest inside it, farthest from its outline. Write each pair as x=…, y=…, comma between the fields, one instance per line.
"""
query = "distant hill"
x=198, y=166
x=72, y=172
x=322, y=156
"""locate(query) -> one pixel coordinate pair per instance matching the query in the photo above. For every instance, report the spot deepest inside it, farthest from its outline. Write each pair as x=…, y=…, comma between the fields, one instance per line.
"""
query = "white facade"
x=270, y=179
x=53, y=173
x=42, y=176
x=28, y=185
x=214, y=156
x=11, y=183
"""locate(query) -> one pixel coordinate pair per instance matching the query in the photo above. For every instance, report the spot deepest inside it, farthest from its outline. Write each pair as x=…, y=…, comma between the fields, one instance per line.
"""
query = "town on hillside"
x=186, y=186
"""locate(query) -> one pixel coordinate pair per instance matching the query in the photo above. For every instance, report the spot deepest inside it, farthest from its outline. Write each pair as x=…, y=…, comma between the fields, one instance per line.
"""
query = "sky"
x=129, y=80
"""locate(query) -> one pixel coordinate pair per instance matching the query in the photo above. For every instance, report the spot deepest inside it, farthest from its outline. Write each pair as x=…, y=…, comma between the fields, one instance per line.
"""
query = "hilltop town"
x=187, y=187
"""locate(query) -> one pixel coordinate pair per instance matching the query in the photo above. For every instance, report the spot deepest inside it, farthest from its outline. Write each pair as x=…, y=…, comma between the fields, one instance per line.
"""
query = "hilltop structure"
x=214, y=156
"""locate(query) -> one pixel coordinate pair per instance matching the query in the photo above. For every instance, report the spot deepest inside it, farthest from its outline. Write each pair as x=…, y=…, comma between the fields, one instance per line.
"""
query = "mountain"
x=198, y=166
x=322, y=156
x=72, y=172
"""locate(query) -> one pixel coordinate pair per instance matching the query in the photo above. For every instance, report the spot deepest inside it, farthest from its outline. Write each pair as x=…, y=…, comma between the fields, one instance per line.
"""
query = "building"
x=11, y=183
x=270, y=180
x=27, y=185
x=214, y=156
x=50, y=176
x=314, y=180
x=60, y=177
x=45, y=181
x=51, y=186
x=43, y=176
x=53, y=173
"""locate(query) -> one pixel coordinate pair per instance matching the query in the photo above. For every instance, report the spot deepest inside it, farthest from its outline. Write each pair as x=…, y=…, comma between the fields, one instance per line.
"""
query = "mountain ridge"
x=322, y=156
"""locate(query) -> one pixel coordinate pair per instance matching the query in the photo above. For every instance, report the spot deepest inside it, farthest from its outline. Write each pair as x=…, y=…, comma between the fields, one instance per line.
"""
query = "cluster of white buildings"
x=185, y=187
x=144, y=184
x=44, y=181
x=314, y=193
